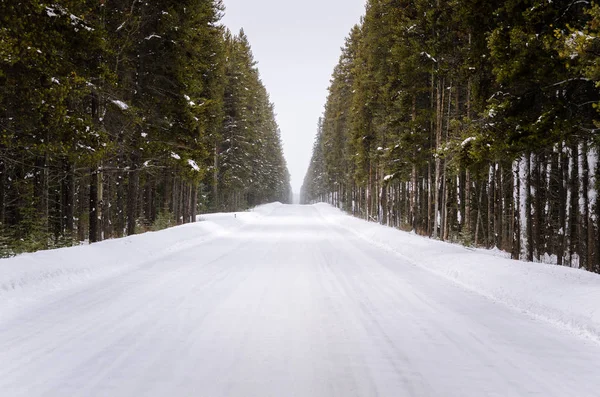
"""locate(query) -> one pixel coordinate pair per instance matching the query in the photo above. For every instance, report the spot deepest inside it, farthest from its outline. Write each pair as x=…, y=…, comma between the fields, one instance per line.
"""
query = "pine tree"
x=470, y=122
x=113, y=116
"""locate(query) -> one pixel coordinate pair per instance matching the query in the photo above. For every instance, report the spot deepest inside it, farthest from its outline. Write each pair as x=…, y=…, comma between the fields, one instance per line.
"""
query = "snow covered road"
x=290, y=305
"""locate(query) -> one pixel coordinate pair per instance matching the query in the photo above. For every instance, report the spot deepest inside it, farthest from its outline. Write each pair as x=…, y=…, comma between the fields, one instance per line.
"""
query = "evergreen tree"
x=252, y=169
x=471, y=122
x=113, y=116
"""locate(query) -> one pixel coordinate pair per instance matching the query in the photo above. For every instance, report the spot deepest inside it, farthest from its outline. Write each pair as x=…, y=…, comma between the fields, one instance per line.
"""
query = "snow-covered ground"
x=30, y=277
x=293, y=301
x=568, y=298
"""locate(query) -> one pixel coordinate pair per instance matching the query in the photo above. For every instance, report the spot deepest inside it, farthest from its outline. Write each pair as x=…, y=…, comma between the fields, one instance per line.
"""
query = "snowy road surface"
x=289, y=306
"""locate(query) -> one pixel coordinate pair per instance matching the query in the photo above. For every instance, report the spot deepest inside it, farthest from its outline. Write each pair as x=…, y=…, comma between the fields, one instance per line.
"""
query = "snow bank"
x=28, y=278
x=565, y=297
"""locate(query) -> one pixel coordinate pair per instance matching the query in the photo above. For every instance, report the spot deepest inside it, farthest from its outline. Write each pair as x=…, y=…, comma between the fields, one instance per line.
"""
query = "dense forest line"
x=469, y=121
x=123, y=116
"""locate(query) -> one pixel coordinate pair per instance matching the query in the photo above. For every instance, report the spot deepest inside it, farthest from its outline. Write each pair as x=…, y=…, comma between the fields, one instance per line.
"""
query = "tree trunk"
x=478, y=221
x=2, y=194
x=596, y=234
x=83, y=207
x=100, y=208
x=120, y=217
x=132, y=199
x=215, y=182
x=69, y=200
x=490, y=208
x=563, y=171
x=528, y=204
x=538, y=241
x=467, y=221
x=109, y=208
x=94, y=203
x=587, y=225
x=516, y=250
x=194, y=202
x=438, y=139
x=574, y=205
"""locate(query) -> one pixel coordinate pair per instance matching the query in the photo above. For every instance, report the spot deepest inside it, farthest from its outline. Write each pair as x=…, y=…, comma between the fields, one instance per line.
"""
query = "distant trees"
x=470, y=121
x=116, y=117
x=252, y=168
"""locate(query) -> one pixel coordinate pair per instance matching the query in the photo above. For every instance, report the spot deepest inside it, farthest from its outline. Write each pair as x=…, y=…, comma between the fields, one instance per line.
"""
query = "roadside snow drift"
x=568, y=298
x=28, y=277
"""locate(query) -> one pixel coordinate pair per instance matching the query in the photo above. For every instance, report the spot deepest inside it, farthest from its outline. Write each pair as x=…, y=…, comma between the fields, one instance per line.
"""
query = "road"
x=289, y=306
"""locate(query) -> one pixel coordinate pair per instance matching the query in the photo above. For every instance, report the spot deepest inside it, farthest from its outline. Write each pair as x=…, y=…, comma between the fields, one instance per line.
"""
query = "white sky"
x=297, y=45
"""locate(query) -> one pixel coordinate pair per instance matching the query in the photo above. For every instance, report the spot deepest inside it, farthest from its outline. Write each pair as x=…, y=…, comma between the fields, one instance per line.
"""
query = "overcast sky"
x=297, y=45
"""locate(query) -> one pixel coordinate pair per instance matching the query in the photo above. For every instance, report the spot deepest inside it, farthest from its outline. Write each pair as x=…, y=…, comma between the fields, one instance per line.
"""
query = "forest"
x=119, y=117
x=473, y=122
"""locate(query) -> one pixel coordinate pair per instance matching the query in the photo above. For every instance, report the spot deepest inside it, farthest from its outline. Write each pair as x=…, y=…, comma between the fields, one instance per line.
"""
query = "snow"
x=51, y=12
x=120, y=104
x=469, y=139
x=25, y=278
x=429, y=56
x=194, y=166
x=292, y=301
x=75, y=21
x=562, y=296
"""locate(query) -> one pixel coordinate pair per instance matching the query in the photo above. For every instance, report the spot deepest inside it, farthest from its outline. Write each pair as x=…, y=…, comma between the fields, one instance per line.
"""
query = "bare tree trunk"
x=82, y=207
x=132, y=199
x=100, y=206
x=444, y=226
x=109, y=208
x=478, y=221
x=120, y=218
x=215, y=181
x=175, y=200
x=537, y=207
x=516, y=217
x=149, y=200
x=596, y=234
x=369, y=193
x=95, y=183
x=562, y=203
x=467, y=222
x=490, y=208
x=2, y=193
x=574, y=214
x=499, y=201
x=528, y=204
x=587, y=225
x=69, y=200
x=438, y=139
x=194, y=202
x=413, y=198
x=94, y=203
x=429, y=229
x=188, y=202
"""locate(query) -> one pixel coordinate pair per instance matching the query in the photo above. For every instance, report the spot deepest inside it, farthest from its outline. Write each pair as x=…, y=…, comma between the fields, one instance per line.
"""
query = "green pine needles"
x=118, y=116
x=471, y=121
